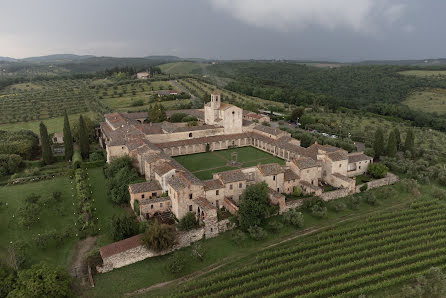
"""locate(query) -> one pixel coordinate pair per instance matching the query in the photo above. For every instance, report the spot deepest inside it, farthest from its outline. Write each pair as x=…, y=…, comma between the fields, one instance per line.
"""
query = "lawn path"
x=78, y=267
x=230, y=259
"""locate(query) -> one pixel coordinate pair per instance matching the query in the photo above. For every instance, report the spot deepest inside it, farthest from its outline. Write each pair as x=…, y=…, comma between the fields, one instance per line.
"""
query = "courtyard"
x=204, y=165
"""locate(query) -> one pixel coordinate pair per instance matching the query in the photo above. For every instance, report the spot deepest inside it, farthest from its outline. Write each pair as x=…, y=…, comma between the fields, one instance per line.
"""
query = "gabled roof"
x=270, y=169
x=162, y=168
x=120, y=246
x=358, y=156
x=178, y=182
x=290, y=175
x=305, y=163
x=148, y=186
x=213, y=184
x=231, y=176
x=338, y=156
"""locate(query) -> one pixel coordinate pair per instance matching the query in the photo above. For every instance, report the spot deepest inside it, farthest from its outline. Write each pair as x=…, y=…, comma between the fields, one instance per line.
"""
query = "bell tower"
x=215, y=100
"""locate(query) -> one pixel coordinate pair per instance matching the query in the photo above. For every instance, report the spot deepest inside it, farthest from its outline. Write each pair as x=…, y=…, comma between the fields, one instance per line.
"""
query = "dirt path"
x=78, y=268
x=228, y=259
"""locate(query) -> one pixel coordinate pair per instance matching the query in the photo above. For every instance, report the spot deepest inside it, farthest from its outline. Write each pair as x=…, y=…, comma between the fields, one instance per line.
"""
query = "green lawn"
x=432, y=100
x=104, y=207
x=57, y=216
x=53, y=124
x=204, y=165
x=223, y=250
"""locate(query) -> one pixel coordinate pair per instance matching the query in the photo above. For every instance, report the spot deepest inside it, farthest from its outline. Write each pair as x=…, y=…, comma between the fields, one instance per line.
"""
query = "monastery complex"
x=171, y=187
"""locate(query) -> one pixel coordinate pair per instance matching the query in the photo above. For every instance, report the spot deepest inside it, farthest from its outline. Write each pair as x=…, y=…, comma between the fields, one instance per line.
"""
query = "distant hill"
x=420, y=62
x=9, y=59
x=164, y=58
x=56, y=58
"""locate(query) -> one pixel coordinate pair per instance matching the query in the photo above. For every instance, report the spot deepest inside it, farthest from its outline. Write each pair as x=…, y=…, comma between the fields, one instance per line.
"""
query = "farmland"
x=384, y=252
x=429, y=101
x=182, y=67
x=425, y=73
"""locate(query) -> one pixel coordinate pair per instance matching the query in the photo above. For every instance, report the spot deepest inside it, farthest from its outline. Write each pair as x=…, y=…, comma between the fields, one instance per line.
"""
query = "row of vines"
x=86, y=214
x=383, y=251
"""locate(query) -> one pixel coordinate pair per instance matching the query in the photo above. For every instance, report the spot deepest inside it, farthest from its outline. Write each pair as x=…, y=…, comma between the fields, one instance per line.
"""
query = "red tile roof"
x=120, y=246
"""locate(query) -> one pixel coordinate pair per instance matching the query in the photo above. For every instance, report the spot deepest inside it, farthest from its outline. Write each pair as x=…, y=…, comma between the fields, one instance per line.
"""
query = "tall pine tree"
x=378, y=145
x=397, y=133
x=410, y=141
x=47, y=154
x=84, y=142
x=67, y=138
x=391, y=145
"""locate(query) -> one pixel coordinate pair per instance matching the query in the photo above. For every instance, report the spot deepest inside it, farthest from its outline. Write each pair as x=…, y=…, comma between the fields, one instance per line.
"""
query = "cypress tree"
x=162, y=113
x=67, y=138
x=410, y=141
x=47, y=154
x=84, y=143
x=396, y=131
x=378, y=145
x=391, y=145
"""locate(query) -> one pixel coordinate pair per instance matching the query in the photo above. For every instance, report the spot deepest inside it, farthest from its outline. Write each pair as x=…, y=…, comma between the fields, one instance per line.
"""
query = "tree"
x=84, y=142
x=188, y=222
x=67, y=138
x=47, y=154
x=43, y=280
x=297, y=113
x=254, y=205
x=124, y=226
x=157, y=113
x=377, y=170
x=8, y=278
x=198, y=251
x=294, y=217
x=158, y=236
x=175, y=264
x=397, y=134
x=391, y=145
x=378, y=144
x=431, y=284
x=410, y=141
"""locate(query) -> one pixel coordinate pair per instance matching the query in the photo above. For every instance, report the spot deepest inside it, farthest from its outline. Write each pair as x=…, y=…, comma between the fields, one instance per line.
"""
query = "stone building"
x=171, y=187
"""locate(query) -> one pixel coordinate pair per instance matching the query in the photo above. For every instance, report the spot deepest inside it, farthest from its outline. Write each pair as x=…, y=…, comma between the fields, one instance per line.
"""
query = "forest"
x=376, y=89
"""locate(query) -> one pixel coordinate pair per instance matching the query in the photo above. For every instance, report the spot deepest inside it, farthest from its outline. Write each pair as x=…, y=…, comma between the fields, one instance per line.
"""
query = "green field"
x=181, y=67
x=429, y=101
x=204, y=165
x=424, y=73
x=53, y=124
x=53, y=216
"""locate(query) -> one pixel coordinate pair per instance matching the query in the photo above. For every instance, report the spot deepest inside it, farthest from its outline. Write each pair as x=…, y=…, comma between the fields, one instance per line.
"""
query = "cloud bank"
x=287, y=15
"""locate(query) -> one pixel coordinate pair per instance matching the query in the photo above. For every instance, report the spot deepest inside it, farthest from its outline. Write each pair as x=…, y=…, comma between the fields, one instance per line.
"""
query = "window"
x=240, y=185
x=340, y=165
x=274, y=178
x=359, y=167
x=233, y=112
x=211, y=228
x=190, y=207
x=153, y=194
x=230, y=186
x=190, y=135
x=216, y=192
x=190, y=196
x=161, y=204
x=216, y=203
x=278, y=189
x=142, y=196
x=151, y=206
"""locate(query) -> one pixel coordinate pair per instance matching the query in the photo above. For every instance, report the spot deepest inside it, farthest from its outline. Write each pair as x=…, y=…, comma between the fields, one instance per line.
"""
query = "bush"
x=294, y=217
x=377, y=170
x=439, y=194
x=175, y=264
x=257, y=233
x=77, y=159
x=177, y=117
x=319, y=211
x=336, y=205
x=274, y=226
x=124, y=226
x=96, y=156
x=188, y=222
x=238, y=236
x=158, y=236
x=364, y=187
x=308, y=204
x=57, y=196
x=370, y=198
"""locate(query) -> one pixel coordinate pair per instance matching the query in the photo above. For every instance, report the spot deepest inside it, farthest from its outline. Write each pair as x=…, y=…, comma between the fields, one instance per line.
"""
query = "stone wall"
x=293, y=204
x=335, y=194
x=389, y=179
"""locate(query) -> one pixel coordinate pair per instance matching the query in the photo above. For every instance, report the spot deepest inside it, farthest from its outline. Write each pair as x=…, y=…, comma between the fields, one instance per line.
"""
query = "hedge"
x=77, y=159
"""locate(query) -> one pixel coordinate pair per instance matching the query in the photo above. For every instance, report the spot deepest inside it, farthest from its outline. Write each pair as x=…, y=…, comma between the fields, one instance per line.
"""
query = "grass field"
x=55, y=216
x=430, y=101
x=53, y=124
x=181, y=67
x=424, y=73
x=204, y=165
x=232, y=257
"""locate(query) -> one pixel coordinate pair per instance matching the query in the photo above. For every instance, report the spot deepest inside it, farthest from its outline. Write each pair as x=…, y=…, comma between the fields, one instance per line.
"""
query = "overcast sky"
x=342, y=30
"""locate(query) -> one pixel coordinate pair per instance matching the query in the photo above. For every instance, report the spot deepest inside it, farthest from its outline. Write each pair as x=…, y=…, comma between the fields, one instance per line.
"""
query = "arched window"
x=190, y=135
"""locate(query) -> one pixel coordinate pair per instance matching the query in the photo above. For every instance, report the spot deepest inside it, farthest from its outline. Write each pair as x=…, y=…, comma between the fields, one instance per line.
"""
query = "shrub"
x=364, y=187
x=96, y=156
x=158, y=236
x=124, y=226
x=188, y=222
x=198, y=251
x=319, y=211
x=177, y=117
x=175, y=264
x=256, y=233
x=439, y=194
x=377, y=170
x=57, y=196
x=274, y=226
x=238, y=236
x=370, y=198
x=308, y=204
x=294, y=217
x=336, y=205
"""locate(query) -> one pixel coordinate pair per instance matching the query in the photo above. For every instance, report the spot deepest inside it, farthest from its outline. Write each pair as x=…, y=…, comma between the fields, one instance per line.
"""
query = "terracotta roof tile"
x=290, y=175
x=148, y=186
x=120, y=246
x=270, y=169
x=213, y=184
x=231, y=176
